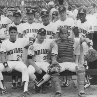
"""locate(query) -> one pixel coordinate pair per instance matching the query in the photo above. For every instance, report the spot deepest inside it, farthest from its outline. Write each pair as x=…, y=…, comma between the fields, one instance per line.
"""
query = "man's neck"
x=30, y=22
x=12, y=40
x=63, y=19
x=45, y=24
x=62, y=40
x=83, y=21
x=40, y=42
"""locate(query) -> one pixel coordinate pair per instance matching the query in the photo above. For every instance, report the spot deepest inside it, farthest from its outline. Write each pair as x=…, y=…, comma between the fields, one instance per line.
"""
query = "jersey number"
x=19, y=57
x=45, y=58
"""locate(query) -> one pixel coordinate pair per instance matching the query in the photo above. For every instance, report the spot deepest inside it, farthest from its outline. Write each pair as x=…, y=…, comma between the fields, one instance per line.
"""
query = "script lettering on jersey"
x=41, y=51
x=49, y=32
x=65, y=26
x=82, y=31
x=16, y=50
x=3, y=26
x=30, y=31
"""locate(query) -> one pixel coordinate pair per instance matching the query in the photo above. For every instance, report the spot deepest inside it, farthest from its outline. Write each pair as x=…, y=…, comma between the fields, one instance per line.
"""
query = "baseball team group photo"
x=48, y=48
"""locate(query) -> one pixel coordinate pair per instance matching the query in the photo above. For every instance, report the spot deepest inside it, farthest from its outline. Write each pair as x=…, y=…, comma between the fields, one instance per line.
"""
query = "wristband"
x=5, y=64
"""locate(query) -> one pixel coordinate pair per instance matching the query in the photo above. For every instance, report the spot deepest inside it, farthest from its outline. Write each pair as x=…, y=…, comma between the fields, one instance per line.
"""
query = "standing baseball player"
x=69, y=23
x=12, y=50
x=85, y=29
x=46, y=24
x=29, y=28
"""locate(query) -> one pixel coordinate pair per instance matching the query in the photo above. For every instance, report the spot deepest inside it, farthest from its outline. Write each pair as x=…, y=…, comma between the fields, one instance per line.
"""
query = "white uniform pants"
x=18, y=66
x=41, y=65
x=71, y=66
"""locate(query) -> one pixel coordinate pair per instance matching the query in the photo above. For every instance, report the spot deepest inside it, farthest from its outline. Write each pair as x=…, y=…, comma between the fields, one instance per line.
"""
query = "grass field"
x=66, y=91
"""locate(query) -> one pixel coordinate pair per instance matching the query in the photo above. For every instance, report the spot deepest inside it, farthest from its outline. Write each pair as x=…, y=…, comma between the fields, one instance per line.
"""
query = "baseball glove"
x=91, y=55
x=54, y=69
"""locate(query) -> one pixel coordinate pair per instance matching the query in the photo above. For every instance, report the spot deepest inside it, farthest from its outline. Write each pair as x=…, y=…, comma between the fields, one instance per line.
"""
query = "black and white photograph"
x=48, y=48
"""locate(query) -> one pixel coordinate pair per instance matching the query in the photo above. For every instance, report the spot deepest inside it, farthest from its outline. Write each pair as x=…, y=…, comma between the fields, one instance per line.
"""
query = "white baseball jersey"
x=92, y=19
x=19, y=27
x=3, y=27
x=83, y=27
x=49, y=30
x=41, y=51
x=29, y=30
x=69, y=23
x=14, y=50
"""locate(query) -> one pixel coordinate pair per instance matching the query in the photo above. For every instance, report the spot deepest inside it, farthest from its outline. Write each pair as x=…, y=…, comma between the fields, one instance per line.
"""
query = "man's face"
x=30, y=17
x=55, y=15
x=37, y=15
x=64, y=34
x=82, y=16
x=41, y=37
x=10, y=17
x=62, y=14
x=45, y=19
x=13, y=34
x=17, y=19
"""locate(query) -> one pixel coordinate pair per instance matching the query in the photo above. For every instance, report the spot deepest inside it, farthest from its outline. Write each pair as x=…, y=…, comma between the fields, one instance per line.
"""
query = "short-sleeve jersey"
x=14, y=50
x=29, y=30
x=49, y=30
x=42, y=52
x=3, y=27
x=68, y=24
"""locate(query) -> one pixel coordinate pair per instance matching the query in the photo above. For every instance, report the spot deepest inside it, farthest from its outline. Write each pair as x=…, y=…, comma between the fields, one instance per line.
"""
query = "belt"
x=13, y=60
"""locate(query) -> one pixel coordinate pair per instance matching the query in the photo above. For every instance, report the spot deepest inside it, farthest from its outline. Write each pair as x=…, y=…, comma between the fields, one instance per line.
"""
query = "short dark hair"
x=12, y=28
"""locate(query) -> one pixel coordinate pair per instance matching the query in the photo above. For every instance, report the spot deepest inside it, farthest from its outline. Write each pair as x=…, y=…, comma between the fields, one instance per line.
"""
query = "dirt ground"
x=70, y=91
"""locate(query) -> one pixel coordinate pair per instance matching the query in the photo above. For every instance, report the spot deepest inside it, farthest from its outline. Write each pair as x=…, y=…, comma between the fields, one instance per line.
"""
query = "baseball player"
x=12, y=50
x=85, y=29
x=67, y=22
x=40, y=56
x=17, y=22
x=64, y=21
x=30, y=28
x=46, y=24
x=4, y=22
x=66, y=61
x=54, y=15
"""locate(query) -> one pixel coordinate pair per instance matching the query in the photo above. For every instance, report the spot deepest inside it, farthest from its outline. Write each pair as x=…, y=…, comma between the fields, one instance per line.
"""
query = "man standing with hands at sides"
x=12, y=50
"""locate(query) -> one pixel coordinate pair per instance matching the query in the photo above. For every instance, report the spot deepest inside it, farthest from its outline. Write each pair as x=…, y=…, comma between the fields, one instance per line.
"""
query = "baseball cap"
x=44, y=13
x=16, y=14
x=30, y=11
x=62, y=9
x=42, y=32
x=82, y=11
